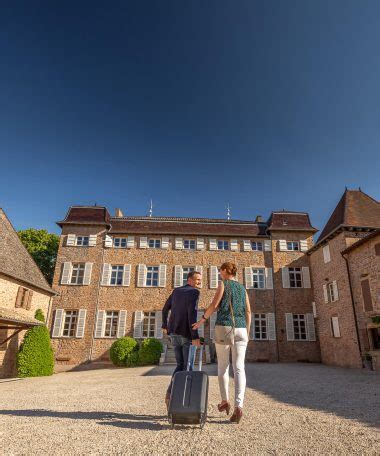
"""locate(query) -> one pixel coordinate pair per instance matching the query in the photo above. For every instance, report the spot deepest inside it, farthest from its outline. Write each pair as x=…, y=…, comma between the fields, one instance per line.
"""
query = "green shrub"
x=150, y=351
x=39, y=315
x=121, y=349
x=133, y=360
x=36, y=357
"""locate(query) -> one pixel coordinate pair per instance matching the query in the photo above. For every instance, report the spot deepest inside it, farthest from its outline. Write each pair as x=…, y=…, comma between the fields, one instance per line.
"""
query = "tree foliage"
x=43, y=247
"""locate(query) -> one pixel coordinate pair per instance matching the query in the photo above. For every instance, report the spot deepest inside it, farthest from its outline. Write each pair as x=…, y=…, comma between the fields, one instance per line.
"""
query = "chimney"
x=118, y=212
x=259, y=219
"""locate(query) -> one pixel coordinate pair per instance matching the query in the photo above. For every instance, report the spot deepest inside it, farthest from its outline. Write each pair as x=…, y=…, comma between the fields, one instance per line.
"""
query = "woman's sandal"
x=237, y=415
x=226, y=406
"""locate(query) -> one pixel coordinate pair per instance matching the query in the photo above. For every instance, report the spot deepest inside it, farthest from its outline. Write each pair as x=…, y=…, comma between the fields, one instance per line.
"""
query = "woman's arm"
x=248, y=314
x=212, y=307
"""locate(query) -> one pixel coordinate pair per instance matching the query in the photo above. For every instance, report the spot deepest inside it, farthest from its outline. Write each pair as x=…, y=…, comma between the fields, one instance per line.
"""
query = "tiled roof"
x=362, y=241
x=355, y=209
x=89, y=215
x=287, y=220
x=19, y=316
x=15, y=260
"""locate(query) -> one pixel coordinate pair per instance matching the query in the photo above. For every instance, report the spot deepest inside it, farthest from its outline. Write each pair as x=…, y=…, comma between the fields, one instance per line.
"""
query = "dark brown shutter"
x=365, y=339
x=367, y=298
x=28, y=299
x=377, y=249
x=19, y=296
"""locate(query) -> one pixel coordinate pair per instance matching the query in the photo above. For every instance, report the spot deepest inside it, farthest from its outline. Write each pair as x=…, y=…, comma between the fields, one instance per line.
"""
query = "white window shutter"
x=271, y=325
x=234, y=245
x=165, y=243
x=92, y=240
x=289, y=326
x=138, y=324
x=212, y=244
x=200, y=243
x=314, y=307
x=213, y=277
x=247, y=246
x=267, y=245
x=106, y=274
x=121, y=324
x=335, y=288
x=127, y=275
x=66, y=273
x=310, y=327
x=87, y=274
x=71, y=238
x=283, y=245
x=179, y=243
x=303, y=245
x=81, y=323
x=199, y=269
x=335, y=326
x=285, y=278
x=326, y=253
x=178, y=275
x=306, y=277
x=268, y=279
x=212, y=325
x=201, y=329
x=58, y=323
x=143, y=242
x=130, y=242
x=325, y=294
x=141, y=275
x=158, y=328
x=248, y=276
x=108, y=241
x=100, y=324
x=162, y=276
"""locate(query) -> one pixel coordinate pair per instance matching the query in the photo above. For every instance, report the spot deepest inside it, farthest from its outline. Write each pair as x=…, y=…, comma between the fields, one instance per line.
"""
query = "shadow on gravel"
x=349, y=393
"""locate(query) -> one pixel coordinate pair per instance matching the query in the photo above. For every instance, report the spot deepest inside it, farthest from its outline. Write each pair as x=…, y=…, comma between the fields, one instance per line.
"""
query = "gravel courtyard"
x=290, y=409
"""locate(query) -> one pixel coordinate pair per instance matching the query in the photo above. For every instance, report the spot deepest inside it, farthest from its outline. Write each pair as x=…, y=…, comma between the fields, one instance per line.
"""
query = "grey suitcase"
x=188, y=401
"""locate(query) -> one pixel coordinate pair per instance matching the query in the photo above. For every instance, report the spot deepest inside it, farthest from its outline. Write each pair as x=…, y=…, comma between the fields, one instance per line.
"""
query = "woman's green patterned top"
x=237, y=292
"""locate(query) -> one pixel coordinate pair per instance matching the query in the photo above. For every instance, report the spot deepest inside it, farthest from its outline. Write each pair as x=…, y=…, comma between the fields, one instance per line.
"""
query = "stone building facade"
x=23, y=290
x=345, y=265
x=114, y=274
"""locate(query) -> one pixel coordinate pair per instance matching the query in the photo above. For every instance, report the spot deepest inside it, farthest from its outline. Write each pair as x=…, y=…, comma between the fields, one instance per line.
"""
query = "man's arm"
x=165, y=312
x=192, y=314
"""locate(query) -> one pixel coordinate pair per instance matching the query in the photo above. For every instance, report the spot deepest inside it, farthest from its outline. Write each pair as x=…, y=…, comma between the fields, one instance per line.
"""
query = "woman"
x=231, y=334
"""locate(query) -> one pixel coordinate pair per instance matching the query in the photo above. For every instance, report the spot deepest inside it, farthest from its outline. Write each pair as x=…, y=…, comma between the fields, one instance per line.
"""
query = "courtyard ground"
x=289, y=409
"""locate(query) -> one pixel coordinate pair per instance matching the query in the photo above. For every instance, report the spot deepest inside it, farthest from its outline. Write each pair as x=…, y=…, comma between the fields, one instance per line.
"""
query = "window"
x=112, y=319
x=332, y=292
x=295, y=277
x=189, y=244
x=70, y=323
x=377, y=249
x=117, y=272
x=335, y=326
x=258, y=278
x=260, y=322
x=293, y=245
x=152, y=276
x=22, y=299
x=82, y=241
x=185, y=271
x=149, y=324
x=120, y=243
x=257, y=246
x=77, y=274
x=223, y=245
x=326, y=253
x=375, y=334
x=299, y=325
x=367, y=297
x=154, y=243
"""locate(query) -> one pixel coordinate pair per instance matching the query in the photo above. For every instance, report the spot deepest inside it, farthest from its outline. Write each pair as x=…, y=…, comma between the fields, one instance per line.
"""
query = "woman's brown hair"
x=229, y=267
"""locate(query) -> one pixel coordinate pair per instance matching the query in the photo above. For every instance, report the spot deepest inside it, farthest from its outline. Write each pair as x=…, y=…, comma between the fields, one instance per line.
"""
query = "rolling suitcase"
x=188, y=401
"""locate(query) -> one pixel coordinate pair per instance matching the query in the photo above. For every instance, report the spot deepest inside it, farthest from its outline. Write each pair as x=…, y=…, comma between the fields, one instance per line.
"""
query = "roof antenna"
x=360, y=189
x=151, y=208
x=95, y=204
x=228, y=212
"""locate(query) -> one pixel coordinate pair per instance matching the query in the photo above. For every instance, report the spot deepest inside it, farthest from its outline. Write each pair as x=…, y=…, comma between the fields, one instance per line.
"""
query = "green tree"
x=36, y=357
x=43, y=247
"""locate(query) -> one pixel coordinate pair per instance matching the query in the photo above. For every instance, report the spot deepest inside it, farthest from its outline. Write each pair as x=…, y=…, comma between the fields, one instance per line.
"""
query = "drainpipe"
x=274, y=305
x=353, y=307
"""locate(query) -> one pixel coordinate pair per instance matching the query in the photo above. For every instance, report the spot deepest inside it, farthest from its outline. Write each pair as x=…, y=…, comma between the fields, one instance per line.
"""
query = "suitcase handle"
x=191, y=358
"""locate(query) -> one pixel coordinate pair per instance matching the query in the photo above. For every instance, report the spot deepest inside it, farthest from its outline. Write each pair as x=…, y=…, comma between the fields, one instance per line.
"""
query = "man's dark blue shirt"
x=183, y=304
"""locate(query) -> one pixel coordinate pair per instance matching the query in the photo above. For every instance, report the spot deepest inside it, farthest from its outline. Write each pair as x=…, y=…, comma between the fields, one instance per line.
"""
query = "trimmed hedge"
x=36, y=357
x=122, y=349
x=150, y=351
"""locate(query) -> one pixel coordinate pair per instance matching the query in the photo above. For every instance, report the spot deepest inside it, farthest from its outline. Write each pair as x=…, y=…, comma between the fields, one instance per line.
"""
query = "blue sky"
x=263, y=105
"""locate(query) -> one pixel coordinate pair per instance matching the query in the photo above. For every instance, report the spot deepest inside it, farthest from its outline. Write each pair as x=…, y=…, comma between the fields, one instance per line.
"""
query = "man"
x=183, y=304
